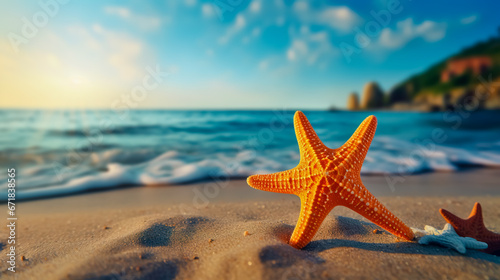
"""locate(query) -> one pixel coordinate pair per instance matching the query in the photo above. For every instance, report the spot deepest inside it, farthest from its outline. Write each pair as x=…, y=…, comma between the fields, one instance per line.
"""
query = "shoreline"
x=425, y=184
x=158, y=232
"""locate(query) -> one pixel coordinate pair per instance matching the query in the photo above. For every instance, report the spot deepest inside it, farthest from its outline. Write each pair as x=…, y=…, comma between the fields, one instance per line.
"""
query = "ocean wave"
x=64, y=152
x=134, y=129
x=114, y=168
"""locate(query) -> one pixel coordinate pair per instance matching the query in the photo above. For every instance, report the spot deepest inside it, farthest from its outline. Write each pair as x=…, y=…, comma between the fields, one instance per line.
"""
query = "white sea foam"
x=388, y=156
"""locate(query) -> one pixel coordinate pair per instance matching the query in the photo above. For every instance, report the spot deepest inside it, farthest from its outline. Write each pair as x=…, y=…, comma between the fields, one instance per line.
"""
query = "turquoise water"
x=62, y=152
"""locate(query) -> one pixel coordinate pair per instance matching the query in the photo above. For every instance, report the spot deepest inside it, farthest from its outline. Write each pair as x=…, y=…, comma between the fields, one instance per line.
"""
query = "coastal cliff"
x=373, y=96
x=353, y=102
x=468, y=79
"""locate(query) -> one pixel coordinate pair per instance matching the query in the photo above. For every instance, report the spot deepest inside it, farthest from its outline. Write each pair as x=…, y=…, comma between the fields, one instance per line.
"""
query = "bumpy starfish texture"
x=450, y=239
x=325, y=178
x=474, y=227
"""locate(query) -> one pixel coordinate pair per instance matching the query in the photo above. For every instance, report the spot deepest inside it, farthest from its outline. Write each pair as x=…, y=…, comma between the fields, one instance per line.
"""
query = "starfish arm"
x=455, y=221
x=455, y=244
x=356, y=148
x=493, y=247
x=472, y=243
x=445, y=241
x=477, y=215
x=359, y=199
x=314, y=209
x=425, y=240
x=430, y=230
x=309, y=143
x=288, y=181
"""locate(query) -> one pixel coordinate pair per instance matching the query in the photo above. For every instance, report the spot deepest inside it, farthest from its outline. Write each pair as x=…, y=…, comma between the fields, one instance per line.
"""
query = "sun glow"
x=77, y=79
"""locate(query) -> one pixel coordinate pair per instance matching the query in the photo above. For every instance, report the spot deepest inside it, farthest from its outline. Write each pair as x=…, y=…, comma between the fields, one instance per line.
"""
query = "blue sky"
x=224, y=53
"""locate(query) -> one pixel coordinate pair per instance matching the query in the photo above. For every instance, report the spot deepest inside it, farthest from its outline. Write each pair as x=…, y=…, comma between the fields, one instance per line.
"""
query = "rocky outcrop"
x=414, y=107
x=353, y=102
x=458, y=99
x=373, y=97
x=437, y=102
x=398, y=94
x=483, y=96
x=492, y=94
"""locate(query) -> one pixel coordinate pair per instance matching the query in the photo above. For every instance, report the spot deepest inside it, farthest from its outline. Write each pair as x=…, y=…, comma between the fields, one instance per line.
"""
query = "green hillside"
x=429, y=81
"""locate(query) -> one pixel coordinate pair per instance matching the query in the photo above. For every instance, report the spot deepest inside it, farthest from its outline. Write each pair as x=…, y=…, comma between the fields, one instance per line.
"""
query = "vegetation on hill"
x=429, y=81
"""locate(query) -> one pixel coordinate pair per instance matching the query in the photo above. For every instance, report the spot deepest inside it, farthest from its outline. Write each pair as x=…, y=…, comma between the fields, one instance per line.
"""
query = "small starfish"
x=474, y=227
x=450, y=239
x=325, y=178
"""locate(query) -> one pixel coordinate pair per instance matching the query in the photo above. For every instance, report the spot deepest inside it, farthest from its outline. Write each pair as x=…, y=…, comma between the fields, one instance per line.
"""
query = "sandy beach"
x=249, y=140
x=160, y=233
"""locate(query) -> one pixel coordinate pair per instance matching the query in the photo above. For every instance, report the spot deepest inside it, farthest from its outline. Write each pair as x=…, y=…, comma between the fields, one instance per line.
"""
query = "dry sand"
x=159, y=233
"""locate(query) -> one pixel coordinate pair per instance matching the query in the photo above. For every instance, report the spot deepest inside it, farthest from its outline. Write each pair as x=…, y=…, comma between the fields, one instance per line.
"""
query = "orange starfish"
x=326, y=178
x=474, y=227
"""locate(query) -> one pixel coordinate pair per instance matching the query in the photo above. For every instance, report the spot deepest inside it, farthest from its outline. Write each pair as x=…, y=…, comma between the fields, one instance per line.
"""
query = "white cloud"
x=468, y=20
x=311, y=48
x=190, y=3
x=119, y=11
x=306, y=48
x=240, y=22
x=301, y=6
x=406, y=31
x=431, y=31
x=255, y=6
x=122, y=52
x=296, y=50
x=144, y=22
x=279, y=4
x=238, y=25
x=255, y=33
x=275, y=65
x=341, y=19
x=207, y=10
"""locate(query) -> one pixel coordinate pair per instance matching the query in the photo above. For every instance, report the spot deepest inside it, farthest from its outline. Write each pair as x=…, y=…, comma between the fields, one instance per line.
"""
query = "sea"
x=62, y=152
